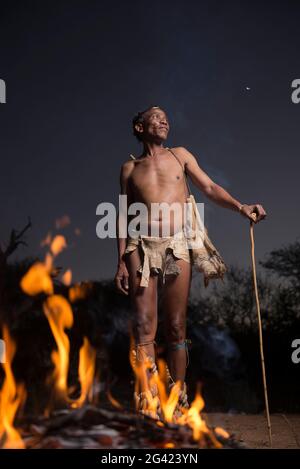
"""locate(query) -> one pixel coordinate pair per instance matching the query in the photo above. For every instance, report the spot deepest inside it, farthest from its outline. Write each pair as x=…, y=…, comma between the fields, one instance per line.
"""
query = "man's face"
x=156, y=125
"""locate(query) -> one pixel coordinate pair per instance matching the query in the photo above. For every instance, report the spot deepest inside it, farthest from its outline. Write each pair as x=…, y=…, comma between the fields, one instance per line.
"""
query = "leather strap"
x=183, y=170
x=180, y=345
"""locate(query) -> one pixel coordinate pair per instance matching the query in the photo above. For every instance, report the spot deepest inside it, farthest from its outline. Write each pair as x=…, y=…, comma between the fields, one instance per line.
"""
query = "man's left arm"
x=215, y=192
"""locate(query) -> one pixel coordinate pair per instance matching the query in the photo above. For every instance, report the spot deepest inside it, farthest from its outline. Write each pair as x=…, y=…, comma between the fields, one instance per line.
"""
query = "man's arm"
x=121, y=277
x=215, y=192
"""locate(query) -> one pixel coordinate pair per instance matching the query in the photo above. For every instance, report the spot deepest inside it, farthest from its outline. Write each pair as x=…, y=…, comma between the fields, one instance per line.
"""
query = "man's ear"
x=139, y=127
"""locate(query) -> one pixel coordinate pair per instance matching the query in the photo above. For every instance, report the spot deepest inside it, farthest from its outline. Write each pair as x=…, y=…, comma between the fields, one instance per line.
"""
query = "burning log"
x=92, y=427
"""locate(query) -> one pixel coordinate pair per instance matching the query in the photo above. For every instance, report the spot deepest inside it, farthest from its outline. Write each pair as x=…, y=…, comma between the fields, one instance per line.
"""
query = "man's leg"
x=175, y=294
x=144, y=308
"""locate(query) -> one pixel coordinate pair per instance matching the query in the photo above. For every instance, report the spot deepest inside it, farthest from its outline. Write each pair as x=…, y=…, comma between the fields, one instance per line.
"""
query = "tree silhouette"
x=285, y=262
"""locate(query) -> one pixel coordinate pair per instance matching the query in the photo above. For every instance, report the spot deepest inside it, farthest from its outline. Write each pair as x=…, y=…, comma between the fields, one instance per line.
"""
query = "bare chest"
x=158, y=176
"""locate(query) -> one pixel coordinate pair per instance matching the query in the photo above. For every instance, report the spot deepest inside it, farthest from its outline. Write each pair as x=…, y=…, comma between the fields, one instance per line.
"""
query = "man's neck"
x=152, y=149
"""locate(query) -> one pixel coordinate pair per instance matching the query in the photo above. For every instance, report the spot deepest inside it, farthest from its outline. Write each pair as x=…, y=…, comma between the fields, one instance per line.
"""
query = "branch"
x=16, y=239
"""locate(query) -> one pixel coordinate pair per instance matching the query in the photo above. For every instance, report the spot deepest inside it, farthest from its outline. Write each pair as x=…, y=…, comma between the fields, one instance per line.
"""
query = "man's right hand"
x=121, y=278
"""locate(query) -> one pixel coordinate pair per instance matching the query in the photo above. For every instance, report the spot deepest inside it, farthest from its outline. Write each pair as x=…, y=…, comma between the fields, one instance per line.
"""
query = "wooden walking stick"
x=260, y=329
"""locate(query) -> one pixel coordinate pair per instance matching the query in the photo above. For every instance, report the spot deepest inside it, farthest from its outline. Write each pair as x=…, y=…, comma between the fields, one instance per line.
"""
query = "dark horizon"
x=77, y=73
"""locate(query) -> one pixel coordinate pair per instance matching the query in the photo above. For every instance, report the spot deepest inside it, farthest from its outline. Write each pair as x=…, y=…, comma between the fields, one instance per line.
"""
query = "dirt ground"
x=252, y=431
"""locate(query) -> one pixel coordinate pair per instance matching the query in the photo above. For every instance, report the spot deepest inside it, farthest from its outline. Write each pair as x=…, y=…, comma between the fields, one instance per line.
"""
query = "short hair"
x=139, y=118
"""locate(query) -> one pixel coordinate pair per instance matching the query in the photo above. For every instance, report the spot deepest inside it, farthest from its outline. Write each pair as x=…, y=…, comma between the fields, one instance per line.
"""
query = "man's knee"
x=176, y=331
x=144, y=323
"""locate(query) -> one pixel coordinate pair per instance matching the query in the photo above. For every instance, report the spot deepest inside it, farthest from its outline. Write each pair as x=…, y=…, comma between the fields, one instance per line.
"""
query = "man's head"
x=151, y=124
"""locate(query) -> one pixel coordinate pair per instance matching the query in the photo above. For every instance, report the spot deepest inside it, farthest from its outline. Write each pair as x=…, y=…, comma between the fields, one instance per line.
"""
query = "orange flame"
x=12, y=396
x=193, y=418
x=37, y=280
x=113, y=401
x=58, y=244
x=79, y=291
x=67, y=277
x=48, y=262
x=169, y=445
x=59, y=314
x=146, y=393
x=86, y=371
x=223, y=433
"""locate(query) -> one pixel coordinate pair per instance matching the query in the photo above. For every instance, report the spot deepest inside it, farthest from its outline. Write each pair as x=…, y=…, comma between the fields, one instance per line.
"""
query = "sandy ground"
x=252, y=431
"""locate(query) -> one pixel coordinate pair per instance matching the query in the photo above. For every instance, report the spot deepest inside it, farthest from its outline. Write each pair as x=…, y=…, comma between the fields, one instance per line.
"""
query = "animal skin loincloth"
x=159, y=255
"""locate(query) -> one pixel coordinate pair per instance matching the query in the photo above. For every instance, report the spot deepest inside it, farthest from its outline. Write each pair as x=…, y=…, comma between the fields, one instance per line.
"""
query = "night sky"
x=77, y=71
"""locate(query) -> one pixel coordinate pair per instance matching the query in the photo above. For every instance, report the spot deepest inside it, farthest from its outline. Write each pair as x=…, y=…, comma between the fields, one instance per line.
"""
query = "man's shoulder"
x=182, y=153
x=181, y=150
x=127, y=167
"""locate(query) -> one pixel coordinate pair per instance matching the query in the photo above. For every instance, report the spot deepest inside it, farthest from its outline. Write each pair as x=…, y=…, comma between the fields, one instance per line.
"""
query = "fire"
x=161, y=405
x=37, y=280
x=48, y=262
x=56, y=308
x=114, y=401
x=86, y=371
x=58, y=244
x=148, y=402
x=193, y=418
x=60, y=316
x=223, y=433
x=79, y=291
x=67, y=277
x=168, y=402
x=169, y=445
x=12, y=397
x=151, y=383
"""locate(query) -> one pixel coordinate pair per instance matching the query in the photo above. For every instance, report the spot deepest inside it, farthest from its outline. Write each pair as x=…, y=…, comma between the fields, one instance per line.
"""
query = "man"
x=155, y=177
